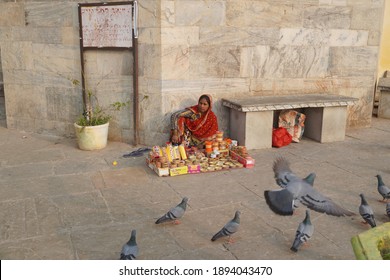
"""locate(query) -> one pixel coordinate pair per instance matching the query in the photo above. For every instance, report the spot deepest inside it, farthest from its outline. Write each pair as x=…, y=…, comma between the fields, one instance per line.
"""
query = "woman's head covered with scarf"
x=206, y=125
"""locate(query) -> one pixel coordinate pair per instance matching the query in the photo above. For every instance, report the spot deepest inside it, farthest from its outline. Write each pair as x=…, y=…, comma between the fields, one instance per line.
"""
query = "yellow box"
x=178, y=170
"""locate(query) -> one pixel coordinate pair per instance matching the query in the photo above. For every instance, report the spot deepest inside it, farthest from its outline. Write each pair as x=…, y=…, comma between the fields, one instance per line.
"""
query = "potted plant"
x=91, y=127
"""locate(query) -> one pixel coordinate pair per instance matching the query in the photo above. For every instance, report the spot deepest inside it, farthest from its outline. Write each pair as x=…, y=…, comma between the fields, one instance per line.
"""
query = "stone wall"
x=40, y=48
x=2, y=98
x=227, y=48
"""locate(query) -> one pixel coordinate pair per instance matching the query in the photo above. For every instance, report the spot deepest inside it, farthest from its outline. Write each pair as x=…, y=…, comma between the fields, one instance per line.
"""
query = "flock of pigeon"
x=294, y=191
x=130, y=250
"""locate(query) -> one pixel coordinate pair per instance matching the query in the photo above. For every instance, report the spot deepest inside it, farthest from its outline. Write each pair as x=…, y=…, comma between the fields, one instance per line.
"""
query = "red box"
x=193, y=169
x=248, y=162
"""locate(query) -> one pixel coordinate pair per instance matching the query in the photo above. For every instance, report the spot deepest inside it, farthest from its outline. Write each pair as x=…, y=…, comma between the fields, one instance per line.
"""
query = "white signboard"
x=107, y=26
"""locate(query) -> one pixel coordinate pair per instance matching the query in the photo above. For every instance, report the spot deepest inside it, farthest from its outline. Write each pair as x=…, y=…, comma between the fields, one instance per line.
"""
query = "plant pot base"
x=91, y=138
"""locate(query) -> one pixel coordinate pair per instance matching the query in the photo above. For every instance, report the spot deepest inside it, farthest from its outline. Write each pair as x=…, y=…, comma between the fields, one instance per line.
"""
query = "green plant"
x=94, y=114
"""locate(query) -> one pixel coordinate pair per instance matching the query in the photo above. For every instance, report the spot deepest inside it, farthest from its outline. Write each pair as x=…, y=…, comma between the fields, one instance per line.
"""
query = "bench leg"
x=326, y=124
x=252, y=129
x=384, y=104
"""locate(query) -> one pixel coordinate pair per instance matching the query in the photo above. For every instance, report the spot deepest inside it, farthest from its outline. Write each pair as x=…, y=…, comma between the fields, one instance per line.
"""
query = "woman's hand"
x=175, y=139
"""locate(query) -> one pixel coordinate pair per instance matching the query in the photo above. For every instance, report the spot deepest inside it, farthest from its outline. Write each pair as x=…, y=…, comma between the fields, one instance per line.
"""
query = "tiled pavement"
x=58, y=202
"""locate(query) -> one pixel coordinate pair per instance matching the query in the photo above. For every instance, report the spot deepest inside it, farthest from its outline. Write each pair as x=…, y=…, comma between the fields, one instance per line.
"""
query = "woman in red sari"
x=195, y=124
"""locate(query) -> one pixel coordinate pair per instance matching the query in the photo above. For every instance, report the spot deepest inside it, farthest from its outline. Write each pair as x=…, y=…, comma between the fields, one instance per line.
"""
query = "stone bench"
x=252, y=118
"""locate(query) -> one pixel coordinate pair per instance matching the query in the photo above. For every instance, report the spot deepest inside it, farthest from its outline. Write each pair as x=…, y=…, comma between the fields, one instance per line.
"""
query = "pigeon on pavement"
x=366, y=212
x=175, y=213
x=229, y=229
x=283, y=201
x=383, y=190
x=130, y=249
x=304, y=233
x=388, y=209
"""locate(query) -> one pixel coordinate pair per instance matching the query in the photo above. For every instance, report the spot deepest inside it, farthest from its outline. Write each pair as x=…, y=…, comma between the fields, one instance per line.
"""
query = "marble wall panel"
x=149, y=13
x=151, y=36
x=200, y=13
x=374, y=38
x=180, y=35
x=62, y=105
x=284, y=62
x=215, y=61
x=44, y=35
x=371, y=3
x=22, y=77
x=336, y=17
x=320, y=37
x=220, y=87
x=167, y=13
x=49, y=15
x=16, y=55
x=150, y=61
x=11, y=14
x=26, y=101
x=248, y=36
x=359, y=114
x=176, y=62
x=353, y=61
x=69, y=37
x=333, y=2
x=57, y=50
x=265, y=14
x=366, y=18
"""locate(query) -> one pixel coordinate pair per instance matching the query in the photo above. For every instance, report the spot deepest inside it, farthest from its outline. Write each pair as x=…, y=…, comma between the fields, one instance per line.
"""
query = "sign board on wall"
x=107, y=26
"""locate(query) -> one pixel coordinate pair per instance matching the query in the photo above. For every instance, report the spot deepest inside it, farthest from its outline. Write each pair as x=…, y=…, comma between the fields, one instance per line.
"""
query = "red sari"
x=200, y=126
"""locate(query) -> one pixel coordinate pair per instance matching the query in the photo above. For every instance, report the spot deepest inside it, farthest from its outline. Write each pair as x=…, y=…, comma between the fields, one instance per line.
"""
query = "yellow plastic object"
x=182, y=151
x=370, y=244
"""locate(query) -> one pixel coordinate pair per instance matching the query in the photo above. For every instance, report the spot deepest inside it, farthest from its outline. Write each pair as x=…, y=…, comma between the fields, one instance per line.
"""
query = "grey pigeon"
x=229, y=229
x=130, y=249
x=304, y=233
x=383, y=190
x=175, y=213
x=283, y=173
x=366, y=212
x=388, y=209
x=284, y=200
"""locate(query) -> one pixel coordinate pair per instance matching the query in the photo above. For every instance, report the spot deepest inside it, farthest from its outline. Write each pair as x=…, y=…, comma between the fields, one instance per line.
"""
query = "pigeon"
x=283, y=201
x=304, y=232
x=366, y=212
x=175, y=213
x=383, y=190
x=229, y=229
x=388, y=209
x=130, y=249
x=283, y=173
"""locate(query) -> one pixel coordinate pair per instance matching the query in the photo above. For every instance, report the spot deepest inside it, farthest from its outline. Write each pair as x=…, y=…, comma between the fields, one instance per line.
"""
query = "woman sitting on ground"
x=194, y=125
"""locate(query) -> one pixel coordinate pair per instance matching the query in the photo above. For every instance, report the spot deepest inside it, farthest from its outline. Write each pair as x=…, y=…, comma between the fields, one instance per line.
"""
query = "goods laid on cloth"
x=219, y=154
x=294, y=122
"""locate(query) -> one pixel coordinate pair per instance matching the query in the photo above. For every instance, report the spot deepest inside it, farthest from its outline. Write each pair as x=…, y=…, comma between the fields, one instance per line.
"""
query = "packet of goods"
x=157, y=151
x=168, y=150
x=182, y=151
x=176, y=152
